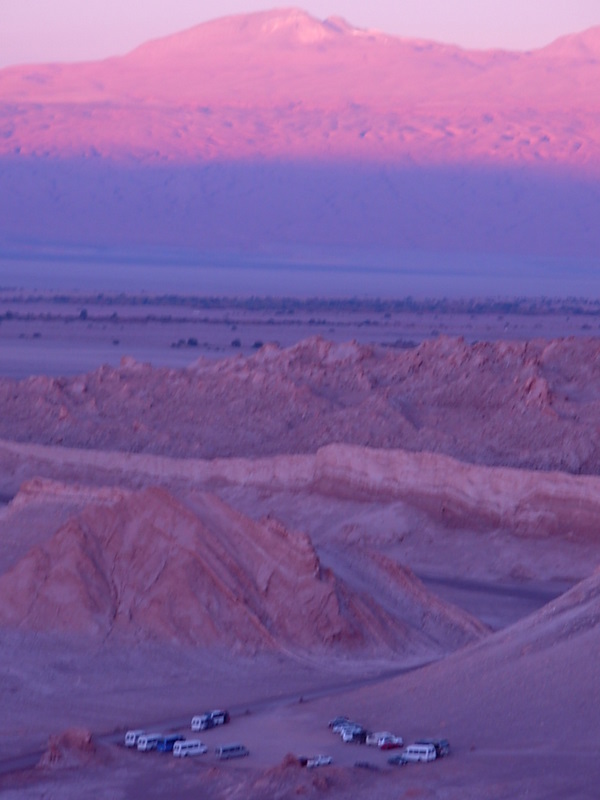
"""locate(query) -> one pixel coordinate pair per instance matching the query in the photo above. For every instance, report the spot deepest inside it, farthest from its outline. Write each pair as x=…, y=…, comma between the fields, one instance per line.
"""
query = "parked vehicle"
x=318, y=761
x=189, y=747
x=373, y=738
x=336, y=722
x=226, y=751
x=354, y=735
x=366, y=765
x=420, y=752
x=384, y=740
x=339, y=725
x=397, y=760
x=167, y=743
x=210, y=719
x=442, y=746
x=148, y=741
x=131, y=738
x=390, y=742
x=219, y=717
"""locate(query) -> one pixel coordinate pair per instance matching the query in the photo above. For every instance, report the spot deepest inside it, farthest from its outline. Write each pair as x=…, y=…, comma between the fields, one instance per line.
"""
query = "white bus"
x=231, y=751
x=420, y=752
x=189, y=747
x=149, y=741
x=131, y=738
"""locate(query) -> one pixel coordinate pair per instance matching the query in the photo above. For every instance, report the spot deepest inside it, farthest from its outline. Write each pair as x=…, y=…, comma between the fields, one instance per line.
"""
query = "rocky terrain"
x=312, y=523
x=527, y=404
x=143, y=564
x=315, y=502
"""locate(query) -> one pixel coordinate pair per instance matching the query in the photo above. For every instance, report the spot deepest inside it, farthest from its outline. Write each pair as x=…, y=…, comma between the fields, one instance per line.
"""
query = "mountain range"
x=276, y=130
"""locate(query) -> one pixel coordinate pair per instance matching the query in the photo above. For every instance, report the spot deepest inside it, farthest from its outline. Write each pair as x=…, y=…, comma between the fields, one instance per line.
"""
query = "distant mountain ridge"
x=283, y=83
x=202, y=139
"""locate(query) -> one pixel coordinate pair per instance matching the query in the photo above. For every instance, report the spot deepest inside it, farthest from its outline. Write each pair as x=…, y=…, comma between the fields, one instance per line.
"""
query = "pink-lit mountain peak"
x=272, y=29
x=584, y=45
x=288, y=56
x=282, y=83
x=307, y=131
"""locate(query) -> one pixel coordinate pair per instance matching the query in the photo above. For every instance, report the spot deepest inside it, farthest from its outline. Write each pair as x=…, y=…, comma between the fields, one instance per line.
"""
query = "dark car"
x=336, y=722
x=366, y=765
x=442, y=746
x=397, y=760
x=219, y=717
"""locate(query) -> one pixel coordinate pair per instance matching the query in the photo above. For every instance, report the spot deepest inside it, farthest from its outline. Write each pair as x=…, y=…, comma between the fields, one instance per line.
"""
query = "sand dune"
x=532, y=685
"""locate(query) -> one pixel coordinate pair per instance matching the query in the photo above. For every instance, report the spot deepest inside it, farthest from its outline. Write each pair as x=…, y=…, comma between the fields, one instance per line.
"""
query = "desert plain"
x=393, y=520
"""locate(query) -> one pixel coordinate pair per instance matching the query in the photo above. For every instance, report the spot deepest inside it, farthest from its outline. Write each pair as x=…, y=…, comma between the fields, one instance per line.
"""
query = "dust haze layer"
x=277, y=130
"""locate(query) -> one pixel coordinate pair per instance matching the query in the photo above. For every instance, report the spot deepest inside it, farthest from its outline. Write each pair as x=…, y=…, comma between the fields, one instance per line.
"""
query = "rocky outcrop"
x=145, y=565
x=533, y=405
x=526, y=502
x=70, y=749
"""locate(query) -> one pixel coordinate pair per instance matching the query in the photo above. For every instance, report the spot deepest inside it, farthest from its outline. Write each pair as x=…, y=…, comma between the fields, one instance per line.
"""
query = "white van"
x=148, y=741
x=189, y=747
x=420, y=752
x=131, y=738
x=231, y=751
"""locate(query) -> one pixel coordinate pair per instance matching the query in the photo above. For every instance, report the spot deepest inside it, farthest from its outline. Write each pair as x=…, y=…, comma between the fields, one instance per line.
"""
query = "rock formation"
x=525, y=404
x=146, y=565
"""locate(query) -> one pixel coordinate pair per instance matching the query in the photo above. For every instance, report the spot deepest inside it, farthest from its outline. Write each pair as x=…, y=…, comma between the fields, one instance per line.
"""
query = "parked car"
x=318, y=761
x=384, y=740
x=373, y=738
x=397, y=760
x=357, y=734
x=342, y=724
x=442, y=746
x=336, y=722
x=210, y=719
x=390, y=742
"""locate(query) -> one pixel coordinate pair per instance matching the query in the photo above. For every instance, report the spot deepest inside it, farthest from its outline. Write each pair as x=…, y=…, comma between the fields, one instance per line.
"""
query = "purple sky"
x=67, y=30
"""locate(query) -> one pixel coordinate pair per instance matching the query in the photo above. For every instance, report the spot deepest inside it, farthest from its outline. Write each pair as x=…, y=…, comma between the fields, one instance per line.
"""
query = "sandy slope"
x=526, y=694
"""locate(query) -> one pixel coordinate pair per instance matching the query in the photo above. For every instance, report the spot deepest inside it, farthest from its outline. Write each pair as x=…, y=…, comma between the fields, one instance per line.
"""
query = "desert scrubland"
x=343, y=498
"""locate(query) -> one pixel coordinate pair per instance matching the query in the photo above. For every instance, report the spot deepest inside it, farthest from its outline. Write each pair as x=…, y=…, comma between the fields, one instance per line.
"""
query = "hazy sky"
x=67, y=30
